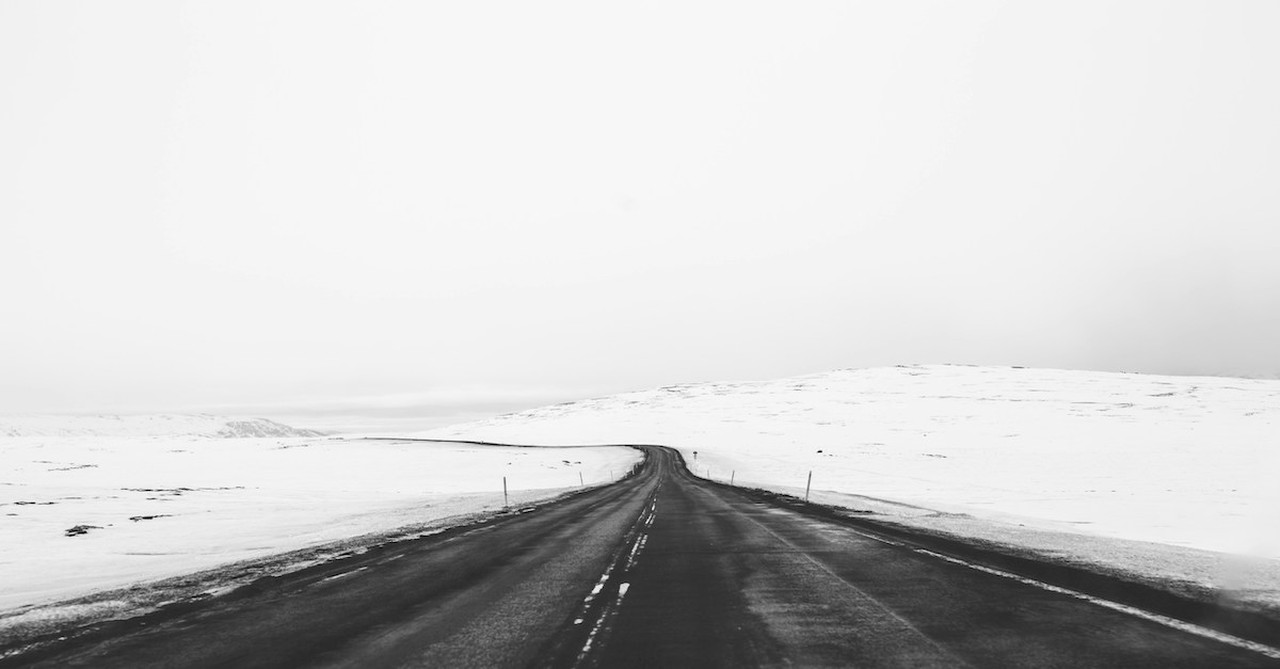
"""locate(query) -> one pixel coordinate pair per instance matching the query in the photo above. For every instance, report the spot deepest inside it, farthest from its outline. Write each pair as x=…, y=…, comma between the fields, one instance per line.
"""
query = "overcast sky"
x=278, y=202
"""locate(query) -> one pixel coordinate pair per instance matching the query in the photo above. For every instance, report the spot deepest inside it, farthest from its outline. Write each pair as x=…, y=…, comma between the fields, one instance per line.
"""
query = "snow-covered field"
x=101, y=502
x=1169, y=477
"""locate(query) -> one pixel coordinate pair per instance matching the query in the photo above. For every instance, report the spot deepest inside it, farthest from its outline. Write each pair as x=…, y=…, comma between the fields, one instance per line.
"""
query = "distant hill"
x=1179, y=460
x=149, y=425
x=891, y=408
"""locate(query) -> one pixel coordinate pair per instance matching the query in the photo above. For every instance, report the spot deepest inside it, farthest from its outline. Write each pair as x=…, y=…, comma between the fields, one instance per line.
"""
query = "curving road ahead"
x=659, y=570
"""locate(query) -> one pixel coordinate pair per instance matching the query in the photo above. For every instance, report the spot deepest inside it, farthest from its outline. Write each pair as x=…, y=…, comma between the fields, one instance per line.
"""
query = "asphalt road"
x=659, y=570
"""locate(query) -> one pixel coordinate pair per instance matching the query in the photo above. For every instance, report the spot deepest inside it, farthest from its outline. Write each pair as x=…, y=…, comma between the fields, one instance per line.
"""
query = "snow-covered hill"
x=1075, y=463
x=149, y=425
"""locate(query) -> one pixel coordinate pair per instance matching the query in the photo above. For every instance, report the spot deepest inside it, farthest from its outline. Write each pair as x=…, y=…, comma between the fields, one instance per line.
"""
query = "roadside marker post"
x=731, y=475
x=505, y=502
x=580, y=481
x=807, y=484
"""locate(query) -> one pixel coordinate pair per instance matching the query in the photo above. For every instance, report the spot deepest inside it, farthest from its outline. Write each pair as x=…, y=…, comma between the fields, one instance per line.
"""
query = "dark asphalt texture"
x=659, y=570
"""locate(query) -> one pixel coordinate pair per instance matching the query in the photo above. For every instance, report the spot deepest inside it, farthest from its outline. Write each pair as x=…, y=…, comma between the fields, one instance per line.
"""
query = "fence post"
x=807, y=484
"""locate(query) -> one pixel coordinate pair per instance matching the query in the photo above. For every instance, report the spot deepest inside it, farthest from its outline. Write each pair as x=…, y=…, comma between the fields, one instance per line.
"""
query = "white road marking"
x=586, y=603
x=635, y=548
x=345, y=573
x=873, y=537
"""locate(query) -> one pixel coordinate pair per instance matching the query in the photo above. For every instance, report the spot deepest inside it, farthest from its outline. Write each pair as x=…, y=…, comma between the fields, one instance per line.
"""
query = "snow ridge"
x=148, y=425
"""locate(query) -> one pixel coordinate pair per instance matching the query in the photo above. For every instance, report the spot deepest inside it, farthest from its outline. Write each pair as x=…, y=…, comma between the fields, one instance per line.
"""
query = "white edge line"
x=1180, y=625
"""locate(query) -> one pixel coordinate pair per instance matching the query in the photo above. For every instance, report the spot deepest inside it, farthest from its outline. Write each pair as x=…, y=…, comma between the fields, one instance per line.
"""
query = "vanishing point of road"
x=658, y=570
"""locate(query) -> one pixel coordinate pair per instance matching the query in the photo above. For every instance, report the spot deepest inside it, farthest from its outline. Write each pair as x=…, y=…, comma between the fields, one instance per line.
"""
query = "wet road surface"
x=658, y=570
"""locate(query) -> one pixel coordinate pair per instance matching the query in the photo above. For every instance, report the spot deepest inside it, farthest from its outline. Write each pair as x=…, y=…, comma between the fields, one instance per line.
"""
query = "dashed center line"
x=610, y=608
